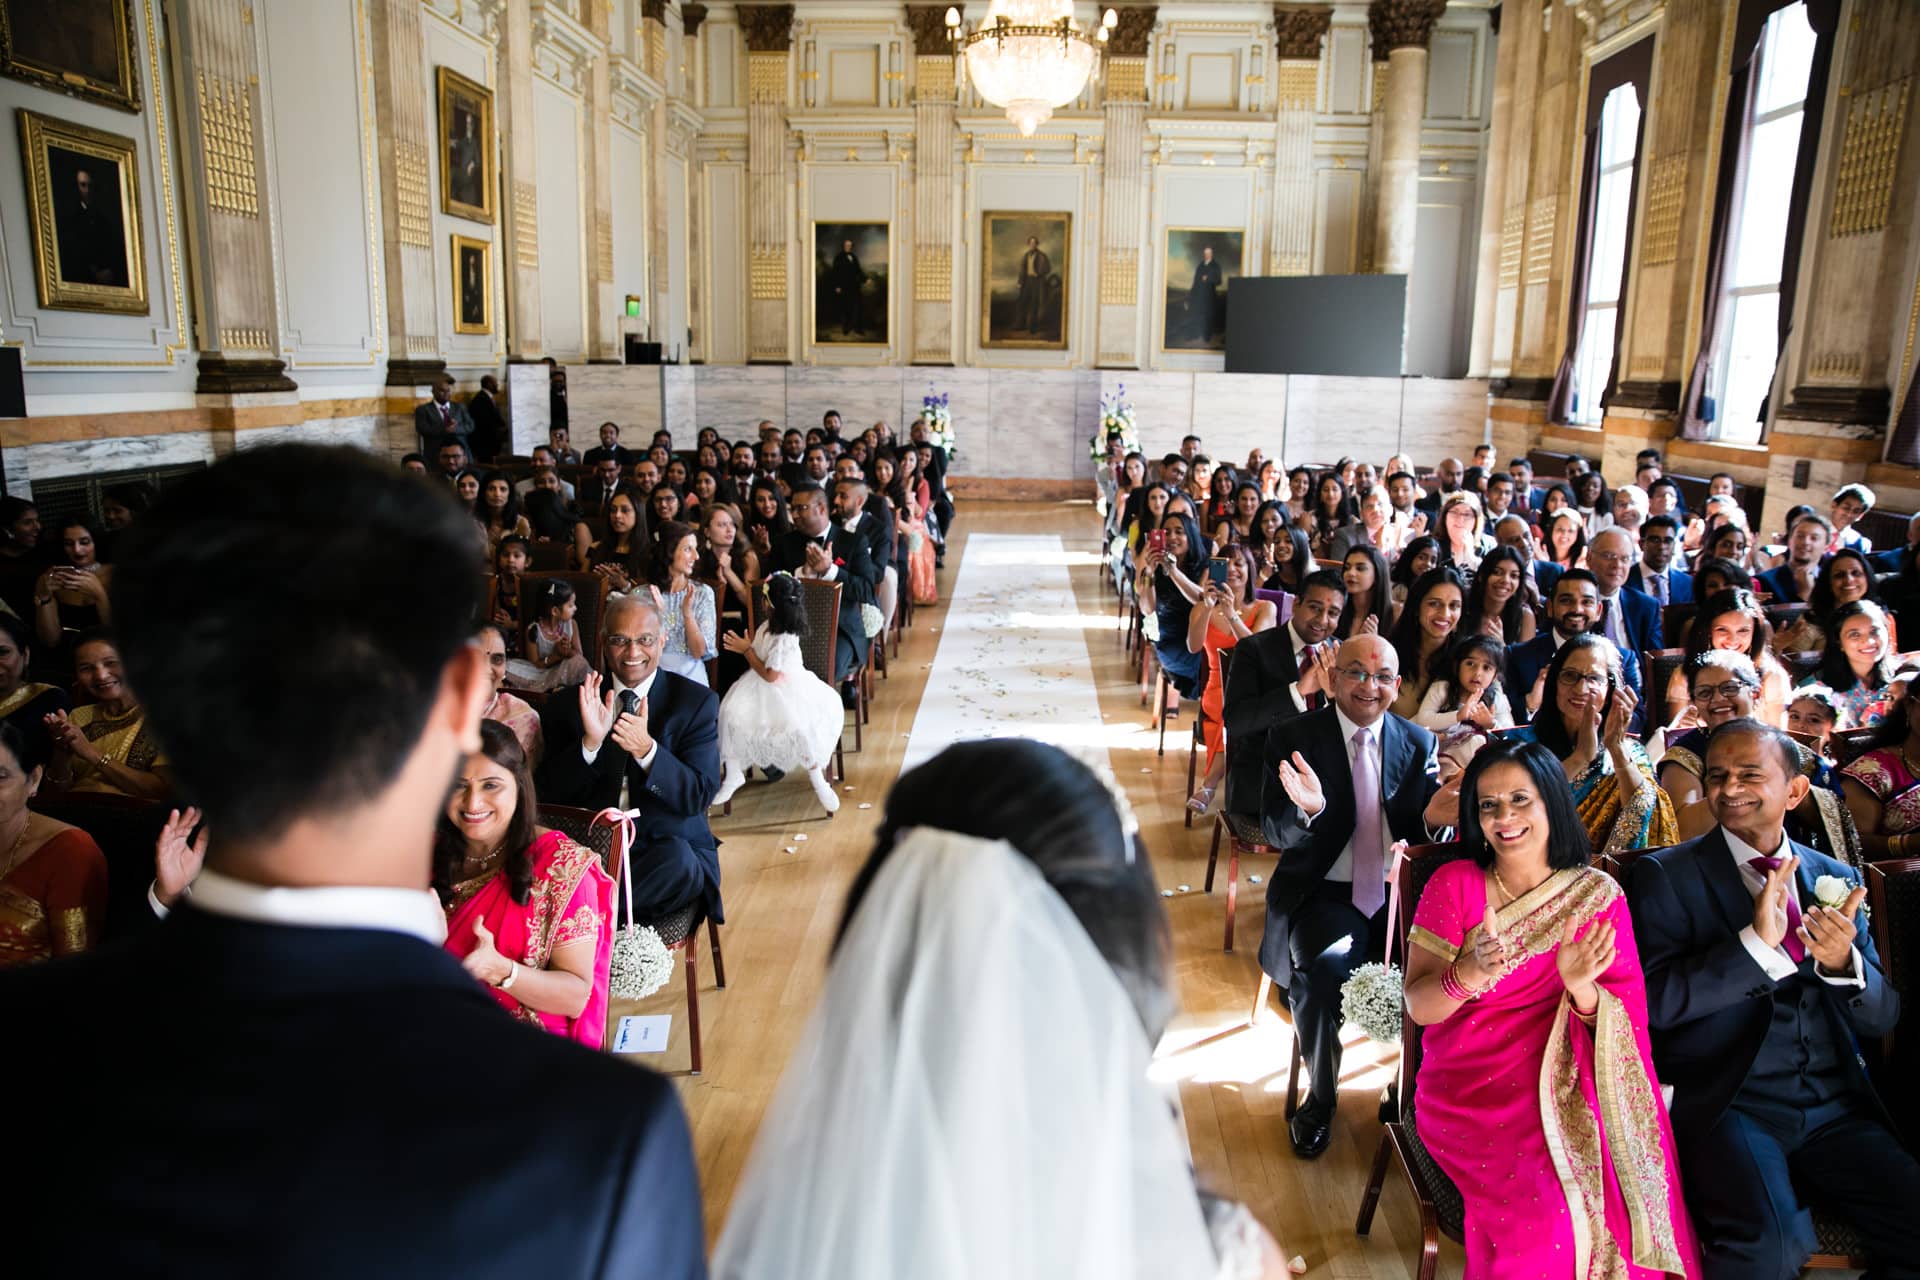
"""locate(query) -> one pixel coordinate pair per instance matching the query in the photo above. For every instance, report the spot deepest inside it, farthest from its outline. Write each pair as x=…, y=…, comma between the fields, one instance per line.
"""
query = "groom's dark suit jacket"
x=859, y=575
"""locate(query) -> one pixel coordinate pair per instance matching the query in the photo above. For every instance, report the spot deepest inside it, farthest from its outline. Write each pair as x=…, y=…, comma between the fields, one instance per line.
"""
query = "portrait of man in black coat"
x=850, y=283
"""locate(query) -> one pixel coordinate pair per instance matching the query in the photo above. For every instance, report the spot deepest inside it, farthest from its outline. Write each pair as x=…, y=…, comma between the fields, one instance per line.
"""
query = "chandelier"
x=1029, y=56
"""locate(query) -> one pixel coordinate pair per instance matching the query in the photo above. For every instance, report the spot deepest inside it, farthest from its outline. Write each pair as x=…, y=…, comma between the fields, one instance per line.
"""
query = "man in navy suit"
x=290, y=1075
x=1758, y=1000
x=1267, y=684
x=1527, y=496
x=1574, y=610
x=1791, y=581
x=636, y=737
x=1657, y=576
x=819, y=547
x=1342, y=783
x=1629, y=618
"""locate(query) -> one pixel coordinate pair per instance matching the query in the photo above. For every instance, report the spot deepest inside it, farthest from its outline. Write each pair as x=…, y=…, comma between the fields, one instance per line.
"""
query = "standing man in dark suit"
x=1758, y=1000
x=1272, y=678
x=292, y=1074
x=817, y=548
x=1657, y=575
x=609, y=447
x=635, y=737
x=1343, y=783
x=489, y=428
x=440, y=420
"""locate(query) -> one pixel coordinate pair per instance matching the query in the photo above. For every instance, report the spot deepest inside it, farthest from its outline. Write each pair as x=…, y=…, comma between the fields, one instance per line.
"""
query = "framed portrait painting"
x=850, y=283
x=82, y=47
x=472, y=285
x=1024, y=283
x=466, y=147
x=1200, y=263
x=83, y=198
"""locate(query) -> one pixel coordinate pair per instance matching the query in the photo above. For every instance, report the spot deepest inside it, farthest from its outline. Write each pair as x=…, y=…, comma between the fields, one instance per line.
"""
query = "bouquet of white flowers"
x=1372, y=999
x=1116, y=414
x=938, y=416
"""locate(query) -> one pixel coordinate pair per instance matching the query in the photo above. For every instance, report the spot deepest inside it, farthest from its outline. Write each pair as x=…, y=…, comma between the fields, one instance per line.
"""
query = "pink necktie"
x=1369, y=852
x=1795, y=948
x=446, y=414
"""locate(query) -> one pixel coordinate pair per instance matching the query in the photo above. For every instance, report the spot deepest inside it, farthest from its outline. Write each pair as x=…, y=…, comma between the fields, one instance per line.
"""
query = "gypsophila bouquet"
x=1372, y=999
x=1116, y=414
x=936, y=413
x=640, y=963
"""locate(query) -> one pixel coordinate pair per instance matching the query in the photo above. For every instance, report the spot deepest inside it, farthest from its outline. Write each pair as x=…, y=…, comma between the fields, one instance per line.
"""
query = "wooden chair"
x=1846, y=744
x=679, y=931
x=1198, y=740
x=548, y=557
x=1656, y=670
x=821, y=601
x=1244, y=838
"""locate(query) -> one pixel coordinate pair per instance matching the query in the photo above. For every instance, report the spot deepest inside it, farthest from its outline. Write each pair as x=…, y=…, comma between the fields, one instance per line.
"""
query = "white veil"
x=970, y=1099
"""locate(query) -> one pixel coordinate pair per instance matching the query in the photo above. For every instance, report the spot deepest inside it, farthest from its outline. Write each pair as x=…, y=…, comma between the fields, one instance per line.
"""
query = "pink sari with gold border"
x=571, y=899
x=1551, y=1125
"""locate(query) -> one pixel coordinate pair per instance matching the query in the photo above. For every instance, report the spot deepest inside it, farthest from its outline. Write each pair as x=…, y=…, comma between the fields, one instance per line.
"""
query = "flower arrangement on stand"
x=938, y=416
x=1116, y=414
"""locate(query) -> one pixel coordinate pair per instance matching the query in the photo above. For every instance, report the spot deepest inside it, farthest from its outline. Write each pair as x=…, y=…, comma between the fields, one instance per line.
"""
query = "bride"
x=971, y=1096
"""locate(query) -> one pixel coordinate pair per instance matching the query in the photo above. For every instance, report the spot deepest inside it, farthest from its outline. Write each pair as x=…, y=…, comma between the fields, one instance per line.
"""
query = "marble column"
x=1300, y=30
x=603, y=311
x=1402, y=27
x=659, y=269
x=1552, y=194
x=690, y=85
x=520, y=207
x=400, y=91
x=932, y=327
x=1517, y=407
x=1123, y=191
x=230, y=212
x=768, y=30
x=1493, y=202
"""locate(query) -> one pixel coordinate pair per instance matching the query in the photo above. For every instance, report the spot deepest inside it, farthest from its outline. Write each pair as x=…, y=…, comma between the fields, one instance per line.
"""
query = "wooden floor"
x=786, y=868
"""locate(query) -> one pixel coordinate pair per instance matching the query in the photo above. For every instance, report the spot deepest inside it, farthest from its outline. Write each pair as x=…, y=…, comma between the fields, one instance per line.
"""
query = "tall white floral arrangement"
x=1116, y=414
x=938, y=415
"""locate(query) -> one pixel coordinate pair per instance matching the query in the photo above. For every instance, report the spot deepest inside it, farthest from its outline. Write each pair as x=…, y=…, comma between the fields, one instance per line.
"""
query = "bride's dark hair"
x=1063, y=819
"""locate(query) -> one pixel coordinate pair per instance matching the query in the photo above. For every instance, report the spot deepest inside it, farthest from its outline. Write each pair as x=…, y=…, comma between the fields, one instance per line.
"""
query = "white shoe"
x=823, y=790
x=731, y=781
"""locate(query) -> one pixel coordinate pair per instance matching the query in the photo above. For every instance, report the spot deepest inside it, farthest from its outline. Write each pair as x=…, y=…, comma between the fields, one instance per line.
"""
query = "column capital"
x=1129, y=38
x=654, y=11
x=1401, y=24
x=928, y=22
x=1300, y=28
x=692, y=15
x=768, y=28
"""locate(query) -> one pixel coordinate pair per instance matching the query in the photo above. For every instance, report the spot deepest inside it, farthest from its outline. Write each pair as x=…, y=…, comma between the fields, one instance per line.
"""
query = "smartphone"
x=1217, y=571
x=1157, y=540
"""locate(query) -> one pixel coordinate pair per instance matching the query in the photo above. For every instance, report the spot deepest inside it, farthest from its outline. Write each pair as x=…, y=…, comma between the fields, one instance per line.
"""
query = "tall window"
x=1750, y=331
x=1606, y=253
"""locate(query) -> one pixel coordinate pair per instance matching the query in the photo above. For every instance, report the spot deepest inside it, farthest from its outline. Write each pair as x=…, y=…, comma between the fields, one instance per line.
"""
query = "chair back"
x=1847, y=744
x=1619, y=865
x=1656, y=669
x=822, y=603
x=589, y=591
x=1410, y=877
x=1893, y=891
x=548, y=557
x=576, y=824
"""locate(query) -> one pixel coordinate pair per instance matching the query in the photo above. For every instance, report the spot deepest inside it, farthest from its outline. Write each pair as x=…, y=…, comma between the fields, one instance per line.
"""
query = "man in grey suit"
x=440, y=419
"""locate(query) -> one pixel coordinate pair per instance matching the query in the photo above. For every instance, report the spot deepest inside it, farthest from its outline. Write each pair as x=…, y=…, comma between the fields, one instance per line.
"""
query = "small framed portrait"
x=82, y=47
x=466, y=147
x=1024, y=280
x=472, y=285
x=83, y=197
x=1200, y=263
x=850, y=279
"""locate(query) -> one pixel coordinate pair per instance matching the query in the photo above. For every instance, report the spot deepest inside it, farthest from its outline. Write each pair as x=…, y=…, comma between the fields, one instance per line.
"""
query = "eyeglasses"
x=1574, y=679
x=1379, y=679
x=1609, y=557
x=1731, y=689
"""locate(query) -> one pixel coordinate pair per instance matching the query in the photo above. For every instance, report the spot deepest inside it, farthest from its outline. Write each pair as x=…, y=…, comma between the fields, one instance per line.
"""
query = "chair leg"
x=1199, y=725
x=840, y=757
x=1260, y=998
x=1213, y=852
x=1293, y=1076
x=1160, y=711
x=1375, y=1182
x=693, y=1001
x=719, y=964
x=1233, y=887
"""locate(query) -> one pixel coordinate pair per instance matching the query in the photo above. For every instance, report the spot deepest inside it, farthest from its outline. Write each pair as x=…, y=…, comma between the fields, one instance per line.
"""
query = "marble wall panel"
x=369, y=433
x=862, y=396
x=1441, y=417
x=969, y=400
x=79, y=457
x=732, y=399
x=1235, y=413
x=1033, y=432
x=1162, y=405
x=678, y=395
x=627, y=394
x=529, y=409
x=1329, y=418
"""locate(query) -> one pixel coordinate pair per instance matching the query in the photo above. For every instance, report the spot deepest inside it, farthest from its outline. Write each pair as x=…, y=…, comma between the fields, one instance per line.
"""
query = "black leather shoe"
x=1311, y=1129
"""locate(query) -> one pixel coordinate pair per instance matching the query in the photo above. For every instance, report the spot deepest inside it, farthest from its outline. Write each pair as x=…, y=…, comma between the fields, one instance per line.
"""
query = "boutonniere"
x=1831, y=891
x=838, y=563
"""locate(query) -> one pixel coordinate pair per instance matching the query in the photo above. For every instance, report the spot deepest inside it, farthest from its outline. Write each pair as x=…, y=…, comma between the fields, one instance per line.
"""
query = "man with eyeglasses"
x=1271, y=678
x=1657, y=575
x=1343, y=783
x=634, y=736
x=1575, y=609
x=1629, y=618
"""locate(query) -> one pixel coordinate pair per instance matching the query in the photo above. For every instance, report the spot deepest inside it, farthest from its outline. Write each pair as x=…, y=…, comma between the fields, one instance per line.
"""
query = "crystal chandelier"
x=1029, y=56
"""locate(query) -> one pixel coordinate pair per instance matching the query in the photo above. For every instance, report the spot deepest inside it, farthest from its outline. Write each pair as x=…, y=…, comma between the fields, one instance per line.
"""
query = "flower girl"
x=778, y=715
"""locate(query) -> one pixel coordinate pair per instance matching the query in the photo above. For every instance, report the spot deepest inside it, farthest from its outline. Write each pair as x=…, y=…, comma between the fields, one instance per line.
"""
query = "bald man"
x=1342, y=784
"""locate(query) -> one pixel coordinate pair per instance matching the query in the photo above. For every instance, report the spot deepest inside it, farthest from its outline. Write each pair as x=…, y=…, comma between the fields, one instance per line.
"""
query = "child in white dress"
x=551, y=658
x=778, y=715
x=1464, y=709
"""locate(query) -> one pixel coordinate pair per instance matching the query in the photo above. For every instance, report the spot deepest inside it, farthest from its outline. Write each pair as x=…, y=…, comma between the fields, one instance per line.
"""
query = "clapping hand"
x=1477, y=712
x=1443, y=810
x=630, y=732
x=1619, y=716
x=1689, y=718
x=1318, y=676
x=485, y=961
x=1828, y=932
x=1370, y=625
x=1770, y=905
x=1488, y=958
x=65, y=733
x=735, y=642
x=597, y=713
x=818, y=561
x=1417, y=525
x=176, y=860
x=1303, y=786
x=1582, y=961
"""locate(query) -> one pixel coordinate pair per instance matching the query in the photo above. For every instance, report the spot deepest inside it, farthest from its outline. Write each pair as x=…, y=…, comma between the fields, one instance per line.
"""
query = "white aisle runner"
x=1012, y=661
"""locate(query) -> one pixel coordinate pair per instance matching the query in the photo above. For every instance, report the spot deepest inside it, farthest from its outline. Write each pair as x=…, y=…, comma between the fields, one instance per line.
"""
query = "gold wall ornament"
x=44, y=45
x=1844, y=367
x=933, y=273
x=468, y=147
x=1513, y=237
x=1120, y=277
x=1666, y=201
x=1126, y=79
x=767, y=273
x=526, y=226
x=1298, y=85
x=416, y=212
x=1869, y=159
x=603, y=245
x=472, y=285
x=1539, y=260
x=83, y=201
x=226, y=145
x=250, y=339
x=933, y=79
x=767, y=78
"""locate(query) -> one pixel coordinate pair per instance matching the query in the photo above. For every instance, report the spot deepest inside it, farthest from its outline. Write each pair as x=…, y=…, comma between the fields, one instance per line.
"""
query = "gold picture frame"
x=1193, y=316
x=853, y=297
x=83, y=201
x=1025, y=313
x=472, y=285
x=467, y=159
x=81, y=47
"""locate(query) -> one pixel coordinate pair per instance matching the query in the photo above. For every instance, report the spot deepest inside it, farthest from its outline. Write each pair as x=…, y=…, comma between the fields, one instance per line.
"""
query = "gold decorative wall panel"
x=933, y=273
x=1539, y=260
x=1837, y=366
x=603, y=245
x=933, y=79
x=1513, y=234
x=1126, y=79
x=252, y=339
x=656, y=50
x=526, y=226
x=1120, y=277
x=1298, y=85
x=768, y=274
x=226, y=139
x=410, y=172
x=767, y=78
x=1869, y=157
x=1666, y=199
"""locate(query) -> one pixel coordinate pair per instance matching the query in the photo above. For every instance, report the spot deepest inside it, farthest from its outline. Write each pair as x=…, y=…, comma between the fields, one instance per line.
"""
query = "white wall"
x=557, y=119
x=628, y=155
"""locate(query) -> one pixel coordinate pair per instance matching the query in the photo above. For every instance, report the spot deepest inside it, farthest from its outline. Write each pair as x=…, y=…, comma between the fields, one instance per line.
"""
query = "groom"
x=1758, y=1000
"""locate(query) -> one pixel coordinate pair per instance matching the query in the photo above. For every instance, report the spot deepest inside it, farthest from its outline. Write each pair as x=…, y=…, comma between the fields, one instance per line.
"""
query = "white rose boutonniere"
x=1831, y=892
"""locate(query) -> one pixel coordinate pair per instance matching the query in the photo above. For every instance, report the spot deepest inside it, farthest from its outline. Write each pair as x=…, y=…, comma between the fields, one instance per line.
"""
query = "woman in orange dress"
x=1226, y=614
x=53, y=877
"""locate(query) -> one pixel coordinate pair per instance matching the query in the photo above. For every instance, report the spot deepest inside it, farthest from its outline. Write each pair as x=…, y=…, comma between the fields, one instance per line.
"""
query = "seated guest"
x=608, y=449
x=529, y=912
x=1500, y=601
x=1369, y=608
x=1844, y=577
x=53, y=878
x=633, y=736
x=860, y=511
x=24, y=703
x=686, y=606
x=1450, y=473
x=1585, y=724
x=1331, y=514
x=663, y=507
x=1526, y=495
x=1733, y=620
x=766, y=516
x=1008, y=1087
x=519, y=718
x=443, y=420
x=1273, y=678
x=466, y=487
x=1659, y=574
x=1729, y=540
x=1712, y=576
x=1629, y=618
x=726, y=559
x=1499, y=496
x=105, y=746
x=1758, y=997
x=552, y=519
x=550, y=655
x=1814, y=713
x=1792, y=580
x=817, y=548
x=322, y=1004
x=1513, y=532
x=1421, y=634
x=1859, y=665
x=1224, y=617
x=603, y=487
x=1461, y=539
x=1523, y=971
x=1593, y=500
x=778, y=717
x=623, y=555
x=1342, y=783
x=1236, y=522
x=1631, y=507
x=1572, y=610
x=1419, y=557
x=1850, y=503
x=544, y=463
x=22, y=556
x=1168, y=586
x=1881, y=788
x=1563, y=539
x=1289, y=561
x=1376, y=528
x=498, y=511
x=72, y=596
x=510, y=560
x=1462, y=708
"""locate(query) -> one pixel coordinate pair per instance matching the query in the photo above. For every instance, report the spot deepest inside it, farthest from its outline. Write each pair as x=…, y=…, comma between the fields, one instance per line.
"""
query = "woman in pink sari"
x=1536, y=1092
x=529, y=912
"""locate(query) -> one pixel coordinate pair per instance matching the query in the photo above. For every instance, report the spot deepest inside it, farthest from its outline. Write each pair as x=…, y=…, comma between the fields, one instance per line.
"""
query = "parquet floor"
x=786, y=869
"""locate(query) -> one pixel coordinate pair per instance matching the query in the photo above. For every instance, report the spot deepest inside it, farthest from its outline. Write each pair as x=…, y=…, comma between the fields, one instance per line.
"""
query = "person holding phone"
x=1167, y=587
x=1226, y=615
x=71, y=597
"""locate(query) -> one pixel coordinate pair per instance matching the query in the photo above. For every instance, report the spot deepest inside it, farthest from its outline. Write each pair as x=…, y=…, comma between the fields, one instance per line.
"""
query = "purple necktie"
x=1796, y=950
x=1369, y=852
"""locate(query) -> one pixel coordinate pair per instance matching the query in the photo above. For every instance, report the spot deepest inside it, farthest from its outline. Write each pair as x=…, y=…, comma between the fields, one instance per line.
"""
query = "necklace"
x=484, y=860
x=1502, y=885
x=13, y=853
